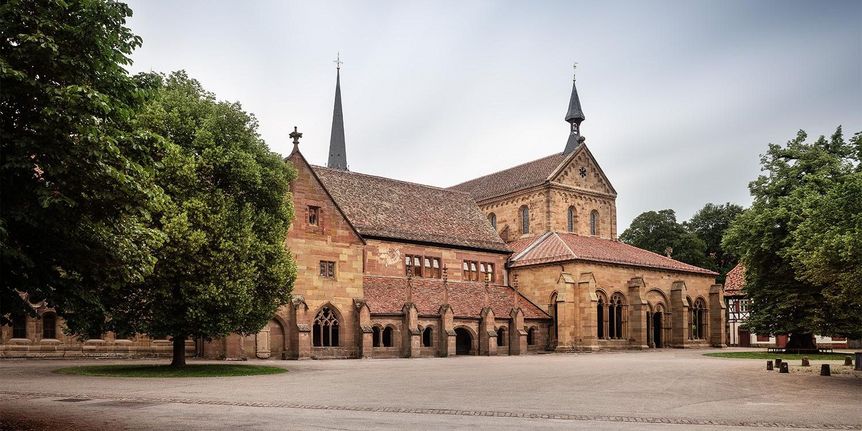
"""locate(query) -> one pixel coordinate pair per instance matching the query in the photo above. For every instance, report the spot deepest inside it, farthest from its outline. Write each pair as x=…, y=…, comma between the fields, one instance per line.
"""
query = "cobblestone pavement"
x=669, y=389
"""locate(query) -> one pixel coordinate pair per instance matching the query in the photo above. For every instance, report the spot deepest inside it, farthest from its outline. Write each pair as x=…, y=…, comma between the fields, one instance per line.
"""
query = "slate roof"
x=513, y=179
x=735, y=281
x=467, y=299
x=386, y=208
x=559, y=247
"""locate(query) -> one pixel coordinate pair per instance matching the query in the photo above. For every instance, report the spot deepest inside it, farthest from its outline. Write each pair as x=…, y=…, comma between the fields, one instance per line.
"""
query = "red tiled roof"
x=558, y=247
x=387, y=208
x=467, y=299
x=513, y=179
x=735, y=280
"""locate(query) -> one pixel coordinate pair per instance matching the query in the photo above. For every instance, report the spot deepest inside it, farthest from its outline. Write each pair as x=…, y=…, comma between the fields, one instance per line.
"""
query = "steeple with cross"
x=574, y=116
x=337, y=147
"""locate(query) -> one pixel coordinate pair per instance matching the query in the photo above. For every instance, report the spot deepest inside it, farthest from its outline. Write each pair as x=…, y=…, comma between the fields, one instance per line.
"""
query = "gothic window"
x=570, y=219
x=600, y=318
x=501, y=337
x=594, y=223
x=49, y=325
x=427, y=336
x=698, y=319
x=314, y=216
x=325, y=330
x=531, y=336
x=387, y=336
x=525, y=219
x=615, y=317
x=492, y=218
x=327, y=269
x=19, y=326
x=375, y=336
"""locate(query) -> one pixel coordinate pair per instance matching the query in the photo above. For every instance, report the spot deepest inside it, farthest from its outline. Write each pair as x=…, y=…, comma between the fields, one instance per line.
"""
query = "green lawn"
x=191, y=370
x=783, y=356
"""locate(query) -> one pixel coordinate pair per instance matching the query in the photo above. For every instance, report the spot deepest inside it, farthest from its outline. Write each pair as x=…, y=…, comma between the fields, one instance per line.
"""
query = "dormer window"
x=314, y=216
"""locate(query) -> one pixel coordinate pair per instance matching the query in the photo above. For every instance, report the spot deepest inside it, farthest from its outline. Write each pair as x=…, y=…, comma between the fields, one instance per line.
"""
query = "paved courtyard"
x=669, y=389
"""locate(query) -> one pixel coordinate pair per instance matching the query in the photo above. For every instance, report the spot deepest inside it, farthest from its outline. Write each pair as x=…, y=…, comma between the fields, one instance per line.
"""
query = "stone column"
x=588, y=302
x=517, y=333
x=637, y=313
x=263, y=349
x=567, y=313
x=411, y=337
x=679, y=311
x=487, y=333
x=299, y=331
x=366, y=336
x=716, y=316
x=446, y=338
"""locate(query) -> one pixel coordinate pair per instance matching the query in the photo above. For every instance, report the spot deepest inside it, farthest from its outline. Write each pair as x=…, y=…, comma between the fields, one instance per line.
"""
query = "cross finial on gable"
x=295, y=135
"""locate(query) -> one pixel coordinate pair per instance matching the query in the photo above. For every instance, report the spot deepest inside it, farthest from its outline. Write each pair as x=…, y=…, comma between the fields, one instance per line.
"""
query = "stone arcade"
x=518, y=261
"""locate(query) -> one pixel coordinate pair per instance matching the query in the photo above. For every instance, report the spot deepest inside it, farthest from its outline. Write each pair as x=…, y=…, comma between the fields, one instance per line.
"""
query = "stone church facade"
x=515, y=262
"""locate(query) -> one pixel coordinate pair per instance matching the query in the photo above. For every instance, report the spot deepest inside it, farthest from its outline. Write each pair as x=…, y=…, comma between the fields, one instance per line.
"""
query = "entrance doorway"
x=463, y=341
x=656, y=330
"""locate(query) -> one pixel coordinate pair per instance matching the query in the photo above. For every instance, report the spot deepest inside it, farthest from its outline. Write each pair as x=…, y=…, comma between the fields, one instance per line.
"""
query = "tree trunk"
x=801, y=343
x=179, y=359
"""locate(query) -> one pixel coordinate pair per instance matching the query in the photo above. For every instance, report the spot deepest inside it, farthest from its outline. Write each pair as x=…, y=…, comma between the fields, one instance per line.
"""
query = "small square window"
x=327, y=269
x=314, y=216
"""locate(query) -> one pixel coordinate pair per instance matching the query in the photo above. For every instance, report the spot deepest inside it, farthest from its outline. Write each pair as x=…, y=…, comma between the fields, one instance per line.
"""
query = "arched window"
x=19, y=326
x=387, y=336
x=615, y=317
x=492, y=218
x=375, y=336
x=501, y=337
x=531, y=336
x=600, y=318
x=525, y=219
x=594, y=223
x=325, y=330
x=427, y=337
x=699, y=311
x=570, y=219
x=49, y=325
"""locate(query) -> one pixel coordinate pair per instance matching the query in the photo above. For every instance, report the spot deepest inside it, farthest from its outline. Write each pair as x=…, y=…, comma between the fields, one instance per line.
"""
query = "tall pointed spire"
x=574, y=116
x=337, y=150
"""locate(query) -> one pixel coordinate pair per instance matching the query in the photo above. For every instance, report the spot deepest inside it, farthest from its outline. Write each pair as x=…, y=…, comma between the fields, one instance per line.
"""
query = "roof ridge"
x=392, y=179
x=506, y=169
x=532, y=245
x=566, y=245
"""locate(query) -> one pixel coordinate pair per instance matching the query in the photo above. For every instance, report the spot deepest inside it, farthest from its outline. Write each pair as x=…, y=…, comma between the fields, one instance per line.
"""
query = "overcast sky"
x=680, y=97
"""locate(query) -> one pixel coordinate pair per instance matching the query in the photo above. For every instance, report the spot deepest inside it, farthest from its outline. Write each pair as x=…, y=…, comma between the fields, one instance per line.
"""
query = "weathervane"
x=574, y=69
x=338, y=61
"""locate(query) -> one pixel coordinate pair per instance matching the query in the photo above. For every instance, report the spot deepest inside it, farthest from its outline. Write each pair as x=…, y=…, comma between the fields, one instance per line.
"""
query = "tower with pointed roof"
x=337, y=149
x=574, y=116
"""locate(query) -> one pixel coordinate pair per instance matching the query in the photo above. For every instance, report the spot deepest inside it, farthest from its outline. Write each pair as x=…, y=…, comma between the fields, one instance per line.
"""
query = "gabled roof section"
x=510, y=180
x=385, y=208
x=735, y=280
x=561, y=247
x=568, y=173
x=467, y=298
x=297, y=155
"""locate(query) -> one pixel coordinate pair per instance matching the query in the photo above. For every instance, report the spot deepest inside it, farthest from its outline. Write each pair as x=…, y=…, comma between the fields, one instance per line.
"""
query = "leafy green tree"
x=223, y=267
x=710, y=224
x=793, y=292
x=659, y=232
x=76, y=185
